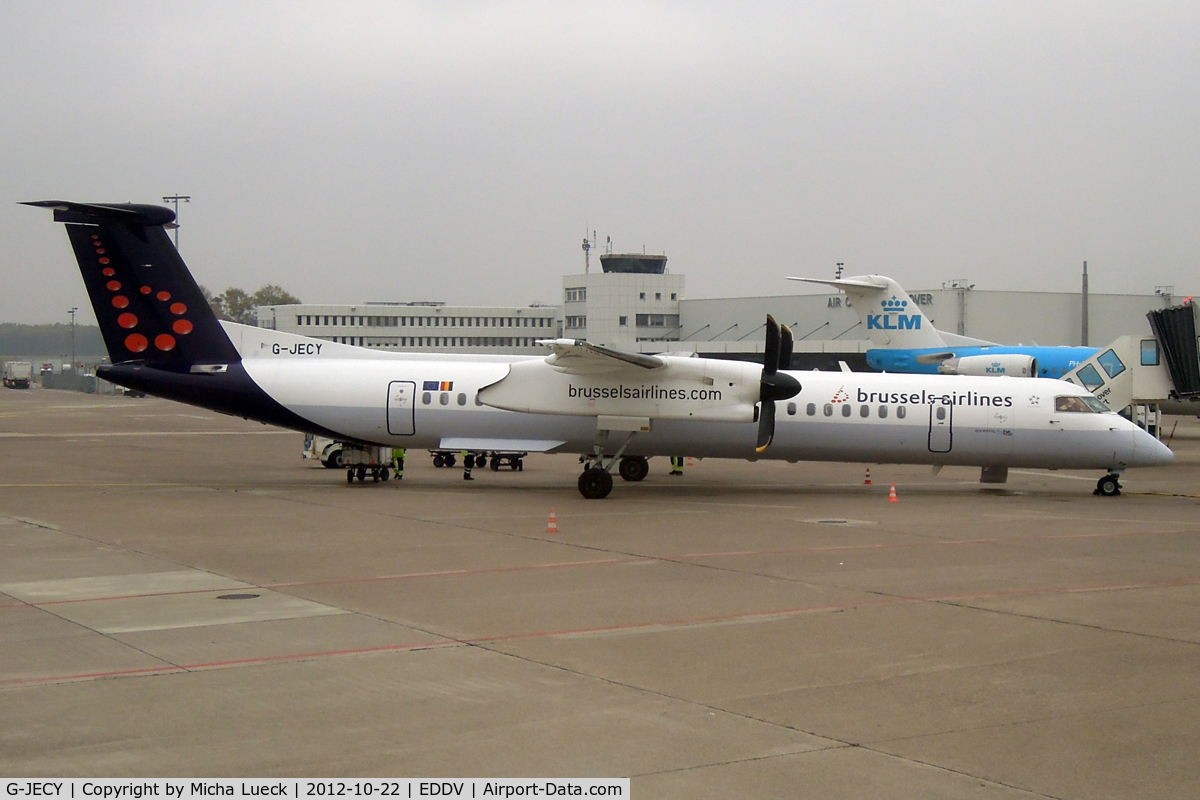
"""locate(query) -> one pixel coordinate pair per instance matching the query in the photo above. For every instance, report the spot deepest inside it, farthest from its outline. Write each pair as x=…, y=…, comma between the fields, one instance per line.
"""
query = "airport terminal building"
x=635, y=303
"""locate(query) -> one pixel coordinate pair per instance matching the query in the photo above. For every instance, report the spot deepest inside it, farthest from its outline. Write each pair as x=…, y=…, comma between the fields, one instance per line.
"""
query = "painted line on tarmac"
x=633, y=627
x=666, y=559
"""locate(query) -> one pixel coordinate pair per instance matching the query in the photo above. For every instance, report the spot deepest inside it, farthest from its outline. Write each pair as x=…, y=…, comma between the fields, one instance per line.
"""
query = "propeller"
x=774, y=385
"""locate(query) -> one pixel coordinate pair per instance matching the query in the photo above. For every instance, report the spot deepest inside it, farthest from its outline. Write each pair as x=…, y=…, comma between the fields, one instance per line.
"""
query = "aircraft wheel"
x=481, y=461
x=385, y=474
x=595, y=483
x=439, y=462
x=451, y=461
x=1108, y=486
x=362, y=475
x=634, y=468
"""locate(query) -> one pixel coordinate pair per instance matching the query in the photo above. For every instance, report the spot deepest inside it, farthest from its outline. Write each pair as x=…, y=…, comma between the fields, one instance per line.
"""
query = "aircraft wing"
x=579, y=357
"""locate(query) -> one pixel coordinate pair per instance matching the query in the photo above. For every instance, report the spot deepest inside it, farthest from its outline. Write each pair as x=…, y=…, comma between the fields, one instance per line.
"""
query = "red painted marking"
x=146, y=290
x=182, y=327
x=104, y=260
x=121, y=301
x=127, y=320
x=108, y=272
x=178, y=308
x=113, y=285
x=633, y=626
x=136, y=343
x=164, y=342
x=164, y=296
x=99, y=250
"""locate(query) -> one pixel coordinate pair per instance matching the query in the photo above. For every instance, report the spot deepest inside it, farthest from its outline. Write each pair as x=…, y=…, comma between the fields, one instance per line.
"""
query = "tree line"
x=233, y=304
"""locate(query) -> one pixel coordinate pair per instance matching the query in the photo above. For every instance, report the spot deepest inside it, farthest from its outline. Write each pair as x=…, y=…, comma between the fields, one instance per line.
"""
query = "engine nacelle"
x=1011, y=364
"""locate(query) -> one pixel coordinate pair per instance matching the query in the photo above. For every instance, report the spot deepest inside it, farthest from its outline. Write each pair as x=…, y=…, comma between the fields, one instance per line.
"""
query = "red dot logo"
x=108, y=272
x=100, y=251
x=182, y=327
x=95, y=236
x=146, y=290
x=121, y=301
x=136, y=343
x=164, y=342
x=178, y=308
x=164, y=296
x=104, y=260
x=113, y=285
x=127, y=320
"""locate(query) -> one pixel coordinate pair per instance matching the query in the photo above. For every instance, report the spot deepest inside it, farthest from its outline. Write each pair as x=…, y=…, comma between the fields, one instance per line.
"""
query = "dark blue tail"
x=162, y=336
x=147, y=304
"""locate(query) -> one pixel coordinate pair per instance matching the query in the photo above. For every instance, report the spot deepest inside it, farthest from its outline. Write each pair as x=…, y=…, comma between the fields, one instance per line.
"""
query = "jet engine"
x=1011, y=364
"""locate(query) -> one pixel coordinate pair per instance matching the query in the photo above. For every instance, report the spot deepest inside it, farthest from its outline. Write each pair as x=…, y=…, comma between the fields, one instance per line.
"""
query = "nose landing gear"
x=1108, y=486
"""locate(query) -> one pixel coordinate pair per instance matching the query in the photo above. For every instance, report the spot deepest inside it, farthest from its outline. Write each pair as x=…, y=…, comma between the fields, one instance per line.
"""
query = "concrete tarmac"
x=182, y=595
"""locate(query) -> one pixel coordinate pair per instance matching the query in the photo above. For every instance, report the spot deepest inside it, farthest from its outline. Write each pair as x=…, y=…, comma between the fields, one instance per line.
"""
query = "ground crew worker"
x=676, y=465
x=468, y=462
x=398, y=462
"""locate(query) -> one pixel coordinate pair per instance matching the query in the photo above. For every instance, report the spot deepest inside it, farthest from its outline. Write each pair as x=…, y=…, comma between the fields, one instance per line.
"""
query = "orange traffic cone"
x=892, y=495
x=553, y=526
x=867, y=482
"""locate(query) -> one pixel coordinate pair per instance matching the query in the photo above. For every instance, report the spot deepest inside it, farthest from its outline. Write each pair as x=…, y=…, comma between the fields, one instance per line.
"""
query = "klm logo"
x=893, y=317
x=996, y=369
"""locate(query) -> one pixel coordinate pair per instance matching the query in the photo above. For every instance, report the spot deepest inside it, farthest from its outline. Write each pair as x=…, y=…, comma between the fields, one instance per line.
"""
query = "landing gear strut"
x=596, y=482
x=1108, y=486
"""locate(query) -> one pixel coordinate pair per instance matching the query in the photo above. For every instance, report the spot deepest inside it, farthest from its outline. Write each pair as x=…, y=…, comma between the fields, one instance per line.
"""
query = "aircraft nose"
x=1148, y=451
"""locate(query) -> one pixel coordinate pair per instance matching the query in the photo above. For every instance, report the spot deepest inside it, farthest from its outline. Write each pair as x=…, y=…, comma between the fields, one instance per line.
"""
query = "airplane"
x=906, y=341
x=610, y=406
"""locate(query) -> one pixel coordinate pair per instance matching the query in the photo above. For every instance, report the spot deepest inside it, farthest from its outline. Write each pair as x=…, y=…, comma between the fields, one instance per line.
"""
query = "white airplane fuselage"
x=387, y=398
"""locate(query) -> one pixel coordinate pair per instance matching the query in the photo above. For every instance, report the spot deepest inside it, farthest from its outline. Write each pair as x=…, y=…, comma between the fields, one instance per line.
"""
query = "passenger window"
x=462, y=399
x=444, y=399
x=426, y=398
x=791, y=409
x=883, y=412
x=846, y=410
x=864, y=411
x=1149, y=352
x=901, y=412
x=1090, y=377
x=828, y=410
x=941, y=412
x=1111, y=363
x=811, y=409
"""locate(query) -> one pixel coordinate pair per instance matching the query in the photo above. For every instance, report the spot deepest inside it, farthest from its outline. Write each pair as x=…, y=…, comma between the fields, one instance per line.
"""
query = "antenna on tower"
x=587, y=249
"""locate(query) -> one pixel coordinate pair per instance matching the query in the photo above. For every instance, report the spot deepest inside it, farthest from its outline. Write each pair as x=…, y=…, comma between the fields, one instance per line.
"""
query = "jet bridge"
x=1129, y=372
x=1175, y=329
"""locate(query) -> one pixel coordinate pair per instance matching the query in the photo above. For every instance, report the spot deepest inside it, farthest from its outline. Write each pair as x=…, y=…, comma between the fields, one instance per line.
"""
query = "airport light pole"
x=72, y=313
x=175, y=198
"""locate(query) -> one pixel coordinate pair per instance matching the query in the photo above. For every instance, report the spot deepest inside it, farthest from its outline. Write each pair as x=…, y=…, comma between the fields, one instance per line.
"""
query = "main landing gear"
x=596, y=482
x=1108, y=486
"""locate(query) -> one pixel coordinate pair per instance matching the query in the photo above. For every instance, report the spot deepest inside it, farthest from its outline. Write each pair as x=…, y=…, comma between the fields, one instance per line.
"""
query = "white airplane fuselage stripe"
x=991, y=421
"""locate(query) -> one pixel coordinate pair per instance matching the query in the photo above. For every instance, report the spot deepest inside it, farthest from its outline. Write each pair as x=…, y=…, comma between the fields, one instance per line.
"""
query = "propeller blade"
x=774, y=385
x=766, y=425
x=785, y=348
x=771, y=351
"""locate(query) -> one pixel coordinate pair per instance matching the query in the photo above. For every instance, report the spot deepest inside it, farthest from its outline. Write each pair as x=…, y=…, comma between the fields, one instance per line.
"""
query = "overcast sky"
x=458, y=151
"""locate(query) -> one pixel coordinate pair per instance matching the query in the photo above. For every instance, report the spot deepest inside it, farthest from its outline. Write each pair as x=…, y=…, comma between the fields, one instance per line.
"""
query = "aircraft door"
x=401, y=405
x=941, y=428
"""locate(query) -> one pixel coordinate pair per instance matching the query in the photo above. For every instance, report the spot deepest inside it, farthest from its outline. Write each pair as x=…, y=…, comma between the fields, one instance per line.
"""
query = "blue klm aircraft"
x=905, y=340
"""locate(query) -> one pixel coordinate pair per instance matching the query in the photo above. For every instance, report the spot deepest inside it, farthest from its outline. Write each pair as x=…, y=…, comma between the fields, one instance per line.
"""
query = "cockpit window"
x=1084, y=405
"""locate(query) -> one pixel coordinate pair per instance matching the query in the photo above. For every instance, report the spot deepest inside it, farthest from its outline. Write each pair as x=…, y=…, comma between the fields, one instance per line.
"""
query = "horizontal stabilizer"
x=130, y=213
x=848, y=283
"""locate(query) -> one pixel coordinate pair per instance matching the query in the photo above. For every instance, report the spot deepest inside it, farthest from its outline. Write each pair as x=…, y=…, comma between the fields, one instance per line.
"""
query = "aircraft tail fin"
x=888, y=314
x=147, y=304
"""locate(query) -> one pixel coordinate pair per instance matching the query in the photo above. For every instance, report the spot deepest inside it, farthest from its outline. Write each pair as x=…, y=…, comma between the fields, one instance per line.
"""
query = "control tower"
x=634, y=299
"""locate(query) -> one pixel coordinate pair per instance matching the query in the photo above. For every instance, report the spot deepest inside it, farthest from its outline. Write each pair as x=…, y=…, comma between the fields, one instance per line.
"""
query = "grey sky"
x=456, y=151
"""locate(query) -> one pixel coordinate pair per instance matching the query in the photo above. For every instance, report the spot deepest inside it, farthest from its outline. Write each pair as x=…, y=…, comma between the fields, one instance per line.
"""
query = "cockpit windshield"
x=1083, y=405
